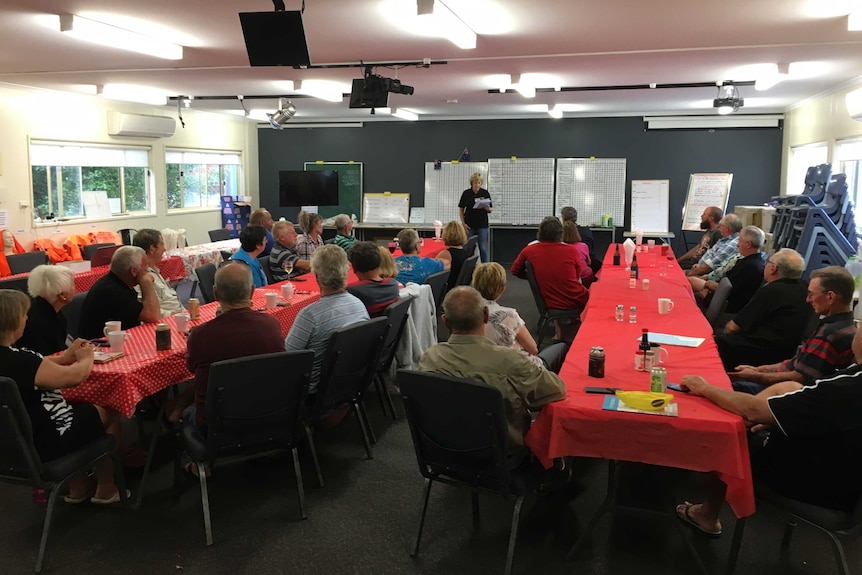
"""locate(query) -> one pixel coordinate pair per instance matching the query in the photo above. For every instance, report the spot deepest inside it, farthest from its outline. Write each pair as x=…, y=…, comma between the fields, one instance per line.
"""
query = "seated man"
x=813, y=451
x=772, y=324
x=113, y=296
x=335, y=309
x=344, y=237
x=723, y=249
x=252, y=241
x=285, y=252
x=745, y=274
x=470, y=355
x=830, y=293
x=709, y=221
x=238, y=332
x=261, y=217
x=375, y=292
x=570, y=214
x=152, y=242
x=411, y=266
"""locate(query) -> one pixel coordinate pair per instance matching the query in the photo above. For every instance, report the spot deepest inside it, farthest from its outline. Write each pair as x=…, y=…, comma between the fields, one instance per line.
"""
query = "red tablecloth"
x=703, y=438
x=198, y=255
x=430, y=249
x=171, y=269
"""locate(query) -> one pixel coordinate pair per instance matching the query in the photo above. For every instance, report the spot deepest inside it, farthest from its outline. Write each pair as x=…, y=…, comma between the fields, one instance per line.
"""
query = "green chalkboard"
x=349, y=187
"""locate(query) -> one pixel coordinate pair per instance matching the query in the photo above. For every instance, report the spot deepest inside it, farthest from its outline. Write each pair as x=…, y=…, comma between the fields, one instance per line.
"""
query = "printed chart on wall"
x=704, y=190
x=385, y=208
x=650, y=206
x=522, y=189
x=443, y=188
x=593, y=186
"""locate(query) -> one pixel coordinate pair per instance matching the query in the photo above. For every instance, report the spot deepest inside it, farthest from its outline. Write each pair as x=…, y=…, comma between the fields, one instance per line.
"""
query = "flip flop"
x=192, y=467
x=75, y=500
x=115, y=498
x=683, y=512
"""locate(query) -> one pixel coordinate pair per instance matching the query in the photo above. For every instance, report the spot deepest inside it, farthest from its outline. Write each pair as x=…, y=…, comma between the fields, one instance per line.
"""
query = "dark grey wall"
x=394, y=153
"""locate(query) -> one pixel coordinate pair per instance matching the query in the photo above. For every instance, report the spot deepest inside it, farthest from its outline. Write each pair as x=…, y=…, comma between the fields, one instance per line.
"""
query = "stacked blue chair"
x=836, y=206
x=786, y=216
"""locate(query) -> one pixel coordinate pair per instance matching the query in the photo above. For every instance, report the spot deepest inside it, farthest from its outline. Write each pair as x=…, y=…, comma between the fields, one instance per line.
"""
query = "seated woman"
x=311, y=225
x=411, y=266
x=58, y=427
x=376, y=292
x=387, y=264
x=572, y=236
x=454, y=238
x=51, y=288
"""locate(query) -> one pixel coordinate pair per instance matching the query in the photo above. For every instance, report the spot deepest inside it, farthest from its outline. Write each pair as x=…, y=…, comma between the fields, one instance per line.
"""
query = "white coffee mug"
x=665, y=305
x=182, y=321
x=651, y=243
x=287, y=291
x=658, y=350
x=271, y=299
x=112, y=326
x=645, y=361
x=117, y=339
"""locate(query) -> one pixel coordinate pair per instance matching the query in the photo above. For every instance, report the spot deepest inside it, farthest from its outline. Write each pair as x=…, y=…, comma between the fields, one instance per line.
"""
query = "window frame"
x=223, y=189
x=854, y=179
x=796, y=173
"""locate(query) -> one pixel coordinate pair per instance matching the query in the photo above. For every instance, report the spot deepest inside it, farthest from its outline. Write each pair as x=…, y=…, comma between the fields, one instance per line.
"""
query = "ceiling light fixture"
x=133, y=93
x=774, y=74
x=436, y=16
x=283, y=115
x=727, y=100
x=323, y=89
x=525, y=89
x=405, y=114
x=556, y=112
x=854, y=21
x=113, y=37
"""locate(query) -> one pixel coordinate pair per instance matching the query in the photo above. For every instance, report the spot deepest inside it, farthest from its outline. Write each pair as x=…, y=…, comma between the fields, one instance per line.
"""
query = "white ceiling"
x=605, y=43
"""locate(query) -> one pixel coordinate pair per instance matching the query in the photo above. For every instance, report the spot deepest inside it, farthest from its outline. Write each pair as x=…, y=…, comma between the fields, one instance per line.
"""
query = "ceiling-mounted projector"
x=373, y=90
x=728, y=100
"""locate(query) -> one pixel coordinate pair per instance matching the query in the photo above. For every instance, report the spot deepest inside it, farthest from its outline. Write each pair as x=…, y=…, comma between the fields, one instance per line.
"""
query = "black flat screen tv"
x=300, y=188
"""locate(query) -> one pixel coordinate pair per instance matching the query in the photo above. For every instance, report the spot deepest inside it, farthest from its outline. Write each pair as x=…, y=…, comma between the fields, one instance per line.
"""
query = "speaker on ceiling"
x=275, y=38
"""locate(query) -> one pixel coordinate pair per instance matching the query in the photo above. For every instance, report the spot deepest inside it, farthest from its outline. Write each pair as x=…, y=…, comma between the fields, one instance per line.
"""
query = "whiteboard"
x=522, y=189
x=443, y=188
x=385, y=208
x=704, y=190
x=593, y=186
x=650, y=206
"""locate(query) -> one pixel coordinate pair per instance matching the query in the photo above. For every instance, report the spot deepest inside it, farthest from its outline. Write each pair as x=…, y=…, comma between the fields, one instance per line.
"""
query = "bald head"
x=234, y=285
x=465, y=311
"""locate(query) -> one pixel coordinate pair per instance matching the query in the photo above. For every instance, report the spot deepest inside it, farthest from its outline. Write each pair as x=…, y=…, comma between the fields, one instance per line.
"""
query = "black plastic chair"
x=718, y=303
x=127, y=235
x=206, y=281
x=103, y=256
x=349, y=365
x=459, y=432
x=226, y=255
x=465, y=276
x=19, y=284
x=329, y=241
x=219, y=235
x=253, y=407
x=397, y=313
x=438, y=288
x=545, y=314
x=90, y=250
x=21, y=465
x=23, y=263
x=72, y=312
x=264, y=265
x=470, y=246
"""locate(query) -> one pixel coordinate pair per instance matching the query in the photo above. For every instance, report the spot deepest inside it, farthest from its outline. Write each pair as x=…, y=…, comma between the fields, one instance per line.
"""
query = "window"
x=802, y=158
x=61, y=172
x=848, y=160
x=199, y=179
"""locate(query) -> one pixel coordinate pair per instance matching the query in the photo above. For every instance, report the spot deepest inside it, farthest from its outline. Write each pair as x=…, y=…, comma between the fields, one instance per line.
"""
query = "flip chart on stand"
x=704, y=190
x=650, y=206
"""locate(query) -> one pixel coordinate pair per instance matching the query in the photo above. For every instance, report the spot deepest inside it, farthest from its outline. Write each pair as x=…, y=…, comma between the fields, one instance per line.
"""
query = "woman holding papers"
x=475, y=205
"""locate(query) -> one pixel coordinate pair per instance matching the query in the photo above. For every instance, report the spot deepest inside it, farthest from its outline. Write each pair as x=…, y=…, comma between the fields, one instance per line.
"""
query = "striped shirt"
x=344, y=242
x=827, y=350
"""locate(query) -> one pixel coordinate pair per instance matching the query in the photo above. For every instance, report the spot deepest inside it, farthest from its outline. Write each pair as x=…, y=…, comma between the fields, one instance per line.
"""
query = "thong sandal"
x=683, y=512
x=115, y=498
x=192, y=467
x=75, y=500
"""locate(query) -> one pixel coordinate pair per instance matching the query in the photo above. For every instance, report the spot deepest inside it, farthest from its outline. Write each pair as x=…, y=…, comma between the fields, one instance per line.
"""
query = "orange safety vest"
x=55, y=254
x=17, y=248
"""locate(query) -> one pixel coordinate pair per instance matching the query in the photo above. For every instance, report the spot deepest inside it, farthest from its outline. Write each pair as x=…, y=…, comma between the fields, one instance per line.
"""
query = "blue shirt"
x=415, y=269
x=256, y=270
x=270, y=243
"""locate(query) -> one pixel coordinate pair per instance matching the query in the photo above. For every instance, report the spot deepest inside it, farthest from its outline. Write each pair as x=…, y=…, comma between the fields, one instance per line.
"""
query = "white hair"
x=329, y=264
x=341, y=221
x=48, y=282
x=126, y=258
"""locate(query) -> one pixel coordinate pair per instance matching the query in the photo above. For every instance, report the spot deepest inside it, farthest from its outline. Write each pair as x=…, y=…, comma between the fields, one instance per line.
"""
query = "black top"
x=45, y=332
x=746, y=275
x=110, y=299
x=586, y=237
x=474, y=218
x=458, y=257
x=778, y=313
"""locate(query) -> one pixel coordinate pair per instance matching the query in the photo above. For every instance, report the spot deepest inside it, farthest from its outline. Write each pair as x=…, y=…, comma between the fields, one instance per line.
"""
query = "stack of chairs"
x=786, y=213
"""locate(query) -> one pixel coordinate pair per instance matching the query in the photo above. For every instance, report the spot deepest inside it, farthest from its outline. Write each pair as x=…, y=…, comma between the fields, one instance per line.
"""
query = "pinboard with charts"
x=594, y=186
x=704, y=190
x=444, y=186
x=522, y=189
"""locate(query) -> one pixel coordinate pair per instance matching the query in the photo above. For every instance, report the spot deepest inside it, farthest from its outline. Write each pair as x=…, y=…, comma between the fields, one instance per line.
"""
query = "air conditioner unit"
x=854, y=104
x=140, y=125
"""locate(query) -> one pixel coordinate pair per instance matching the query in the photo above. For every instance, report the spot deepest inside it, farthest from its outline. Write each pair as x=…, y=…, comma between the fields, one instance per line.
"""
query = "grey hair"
x=788, y=263
x=408, y=240
x=329, y=265
x=733, y=223
x=126, y=258
x=754, y=235
x=48, y=282
x=341, y=221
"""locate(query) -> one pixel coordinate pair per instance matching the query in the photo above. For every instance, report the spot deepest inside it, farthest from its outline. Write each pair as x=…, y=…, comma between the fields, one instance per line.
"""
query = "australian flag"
x=465, y=155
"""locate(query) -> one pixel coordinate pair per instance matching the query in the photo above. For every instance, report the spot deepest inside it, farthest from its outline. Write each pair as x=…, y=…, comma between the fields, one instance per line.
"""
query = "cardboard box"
x=760, y=216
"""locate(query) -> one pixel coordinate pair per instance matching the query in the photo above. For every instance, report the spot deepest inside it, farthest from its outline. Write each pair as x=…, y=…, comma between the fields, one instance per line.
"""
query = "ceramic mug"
x=287, y=291
x=658, y=350
x=665, y=305
x=182, y=321
x=271, y=299
x=117, y=339
x=112, y=326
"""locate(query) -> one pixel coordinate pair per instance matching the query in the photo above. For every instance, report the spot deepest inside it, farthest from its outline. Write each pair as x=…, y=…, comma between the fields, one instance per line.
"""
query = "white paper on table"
x=680, y=340
x=309, y=209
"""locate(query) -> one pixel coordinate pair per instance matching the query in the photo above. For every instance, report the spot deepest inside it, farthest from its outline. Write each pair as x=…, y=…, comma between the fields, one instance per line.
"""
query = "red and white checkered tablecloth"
x=120, y=384
x=172, y=268
x=208, y=253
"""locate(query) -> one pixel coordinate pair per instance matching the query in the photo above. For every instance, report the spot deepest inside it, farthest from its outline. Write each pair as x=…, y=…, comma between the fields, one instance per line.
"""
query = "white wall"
x=27, y=114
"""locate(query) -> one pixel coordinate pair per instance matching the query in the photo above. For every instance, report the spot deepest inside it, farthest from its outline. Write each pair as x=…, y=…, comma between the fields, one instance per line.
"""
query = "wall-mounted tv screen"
x=299, y=188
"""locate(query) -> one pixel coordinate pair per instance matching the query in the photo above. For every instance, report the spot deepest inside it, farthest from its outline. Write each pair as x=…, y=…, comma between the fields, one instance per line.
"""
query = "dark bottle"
x=616, y=254
x=644, y=346
x=634, y=266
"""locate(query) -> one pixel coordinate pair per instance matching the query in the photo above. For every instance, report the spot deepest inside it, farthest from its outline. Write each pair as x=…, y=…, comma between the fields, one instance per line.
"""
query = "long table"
x=703, y=437
x=171, y=269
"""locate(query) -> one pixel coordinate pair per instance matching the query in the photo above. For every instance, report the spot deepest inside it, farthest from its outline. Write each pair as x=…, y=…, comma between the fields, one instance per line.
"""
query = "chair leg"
x=370, y=429
x=384, y=391
x=788, y=535
x=309, y=434
x=735, y=544
x=49, y=513
x=365, y=439
x=120, y=480
x=474, y=496
x=426, y=494
x=149, y=462
x=540, y=334
x=840, y=557
x=513, y=535
x=205, y=502
x=300, y=491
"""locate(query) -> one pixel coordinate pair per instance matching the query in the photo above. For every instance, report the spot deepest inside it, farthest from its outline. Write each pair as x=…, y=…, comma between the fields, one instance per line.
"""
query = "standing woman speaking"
x=475, y=219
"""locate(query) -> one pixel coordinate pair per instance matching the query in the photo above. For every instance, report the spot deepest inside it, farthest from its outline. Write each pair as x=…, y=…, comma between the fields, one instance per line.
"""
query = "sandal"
x=75, y=500
x=683, y=512
x=192, y=467
x=115, y=498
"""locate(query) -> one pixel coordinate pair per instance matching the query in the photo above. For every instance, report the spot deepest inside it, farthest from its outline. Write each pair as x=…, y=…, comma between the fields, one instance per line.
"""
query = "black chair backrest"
x=329, y=241
x=465, y=276
x=219, y=234
x=127, y=235
x=19, y=284
x=72, y=312
x=256, y=401
x=90, y=250
x=102, y=256
x=23, y=263
x=350, y=363
x=264, y=264
x=470, y=246
x=226, y=255
x=206, y=281
x=19, y=462
x=438, y=287
x=534, y=287
x=397, y=313
x=458, y=426
x=718, y=303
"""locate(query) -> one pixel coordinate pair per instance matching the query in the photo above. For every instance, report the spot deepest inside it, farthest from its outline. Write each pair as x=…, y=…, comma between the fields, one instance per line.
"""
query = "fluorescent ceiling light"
x=556, y=112
x=854, y=21
x=772, y=75
x=259, y=114
x=323, y=89
x=133, y=93
x=284, y=85
x=107, y=35
x=525, y=90
x=483, y=16
x=537, y=107
x=405, y=114
x=446, y=24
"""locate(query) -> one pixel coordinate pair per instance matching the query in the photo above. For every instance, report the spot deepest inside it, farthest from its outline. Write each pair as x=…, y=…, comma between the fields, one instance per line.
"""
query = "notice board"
x=385, y=208
x=650, y=206
x=704, y=190
x=349, y=187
